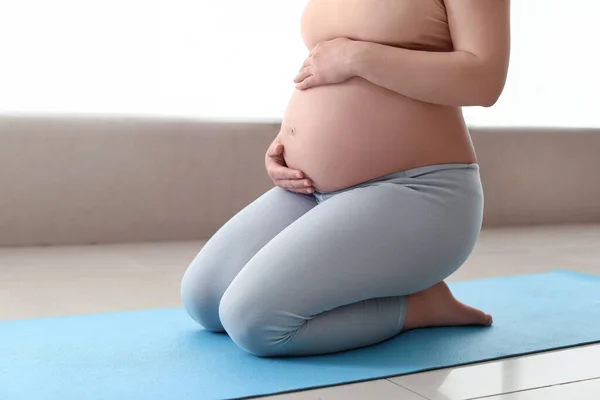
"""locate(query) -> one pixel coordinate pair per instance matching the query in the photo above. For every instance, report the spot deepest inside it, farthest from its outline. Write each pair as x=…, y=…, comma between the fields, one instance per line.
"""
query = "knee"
x=200, y=294
x=251, y=325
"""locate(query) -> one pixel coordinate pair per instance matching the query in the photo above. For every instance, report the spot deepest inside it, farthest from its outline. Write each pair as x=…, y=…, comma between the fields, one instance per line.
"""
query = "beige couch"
x=73, y=180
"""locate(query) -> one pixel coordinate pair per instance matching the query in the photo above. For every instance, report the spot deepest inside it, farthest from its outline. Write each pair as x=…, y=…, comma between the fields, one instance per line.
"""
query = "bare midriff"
x=344, y=134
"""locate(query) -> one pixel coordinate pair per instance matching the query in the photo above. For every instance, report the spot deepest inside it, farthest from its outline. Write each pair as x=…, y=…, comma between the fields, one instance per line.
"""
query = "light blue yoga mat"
x=162, y=354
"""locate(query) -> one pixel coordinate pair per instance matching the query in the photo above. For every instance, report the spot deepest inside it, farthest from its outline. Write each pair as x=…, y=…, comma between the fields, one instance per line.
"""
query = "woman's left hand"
x=328, y=62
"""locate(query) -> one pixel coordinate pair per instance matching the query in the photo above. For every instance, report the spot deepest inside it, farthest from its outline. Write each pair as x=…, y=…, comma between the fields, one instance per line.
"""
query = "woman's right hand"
x=284, y=177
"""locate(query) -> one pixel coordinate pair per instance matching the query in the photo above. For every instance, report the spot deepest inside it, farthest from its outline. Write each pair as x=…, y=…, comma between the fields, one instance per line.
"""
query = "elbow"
x=489, y=100
x=483, y=99
x=490, y=92
x=488, y=96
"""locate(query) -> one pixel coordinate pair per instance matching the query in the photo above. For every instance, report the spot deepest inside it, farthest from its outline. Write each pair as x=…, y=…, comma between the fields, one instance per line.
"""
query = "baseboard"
x=539, y=176
x=69, y=180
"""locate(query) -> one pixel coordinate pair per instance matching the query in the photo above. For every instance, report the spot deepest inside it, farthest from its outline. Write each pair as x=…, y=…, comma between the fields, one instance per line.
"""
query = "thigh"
x=233, y=245
x=371, y=242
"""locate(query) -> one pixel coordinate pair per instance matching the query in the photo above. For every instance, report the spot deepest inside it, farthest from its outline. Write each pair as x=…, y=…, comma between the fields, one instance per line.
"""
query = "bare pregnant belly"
x=342, y=135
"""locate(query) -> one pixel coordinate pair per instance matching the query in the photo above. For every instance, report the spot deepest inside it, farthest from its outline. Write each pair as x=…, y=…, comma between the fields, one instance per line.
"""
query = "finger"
x=280, y=172
x=315, y=48
x=309, y=82
x=302, y=191
x=303, y=74
x=276, y=150
x=294, y=183
x=306, y=63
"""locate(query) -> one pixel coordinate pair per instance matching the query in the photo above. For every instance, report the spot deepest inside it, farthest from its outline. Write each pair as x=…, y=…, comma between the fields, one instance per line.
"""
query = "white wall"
x=235, y=59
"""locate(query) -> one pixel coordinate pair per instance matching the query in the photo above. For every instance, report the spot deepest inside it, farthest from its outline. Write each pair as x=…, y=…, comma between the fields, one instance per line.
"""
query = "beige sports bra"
x=411, y=24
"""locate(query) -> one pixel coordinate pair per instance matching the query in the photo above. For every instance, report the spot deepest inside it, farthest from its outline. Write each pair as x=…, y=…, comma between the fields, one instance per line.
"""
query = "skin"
x=284, y=177
x=472, y=75
x=363, y=97
x=370, y=94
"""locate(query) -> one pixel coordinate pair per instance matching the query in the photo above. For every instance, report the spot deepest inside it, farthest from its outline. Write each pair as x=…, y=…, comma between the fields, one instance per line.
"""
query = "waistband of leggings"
x=425, y=170
x=409, y=173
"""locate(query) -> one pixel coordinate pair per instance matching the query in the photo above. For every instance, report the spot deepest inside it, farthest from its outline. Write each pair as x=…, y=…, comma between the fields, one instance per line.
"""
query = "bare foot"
x=437, y=306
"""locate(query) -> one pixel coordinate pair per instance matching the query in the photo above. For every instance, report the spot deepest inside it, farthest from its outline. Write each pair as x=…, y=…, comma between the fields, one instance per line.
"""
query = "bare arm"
x=473, y=74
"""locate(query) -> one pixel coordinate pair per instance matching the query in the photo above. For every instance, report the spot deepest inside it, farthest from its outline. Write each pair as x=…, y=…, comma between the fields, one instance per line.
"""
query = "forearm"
x=455, y=78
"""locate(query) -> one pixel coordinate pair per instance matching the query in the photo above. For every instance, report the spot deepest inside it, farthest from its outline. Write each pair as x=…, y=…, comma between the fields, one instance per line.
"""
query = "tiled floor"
x=51, y=281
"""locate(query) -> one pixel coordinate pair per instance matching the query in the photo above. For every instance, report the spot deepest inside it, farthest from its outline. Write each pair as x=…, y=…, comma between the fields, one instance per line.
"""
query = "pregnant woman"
x=378, y=196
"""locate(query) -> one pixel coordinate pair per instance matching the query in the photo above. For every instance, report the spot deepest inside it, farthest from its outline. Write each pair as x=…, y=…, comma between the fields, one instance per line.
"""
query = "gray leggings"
x=296, y=274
